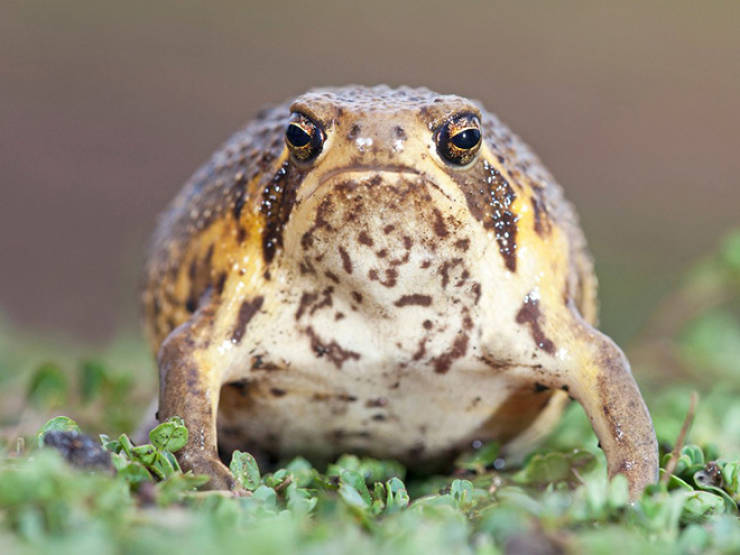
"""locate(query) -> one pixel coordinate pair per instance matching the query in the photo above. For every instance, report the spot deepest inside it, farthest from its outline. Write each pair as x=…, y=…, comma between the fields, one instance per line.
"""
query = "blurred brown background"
x=106, y=108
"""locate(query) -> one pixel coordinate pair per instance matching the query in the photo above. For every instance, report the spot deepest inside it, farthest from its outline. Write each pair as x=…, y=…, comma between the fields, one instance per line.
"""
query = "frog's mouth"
x=358, y=172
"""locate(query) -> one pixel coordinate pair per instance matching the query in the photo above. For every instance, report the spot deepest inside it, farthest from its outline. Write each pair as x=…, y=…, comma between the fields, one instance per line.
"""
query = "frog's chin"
x=378, y=231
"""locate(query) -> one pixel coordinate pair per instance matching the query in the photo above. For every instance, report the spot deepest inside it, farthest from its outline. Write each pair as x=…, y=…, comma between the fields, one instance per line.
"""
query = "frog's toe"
x=221, y=477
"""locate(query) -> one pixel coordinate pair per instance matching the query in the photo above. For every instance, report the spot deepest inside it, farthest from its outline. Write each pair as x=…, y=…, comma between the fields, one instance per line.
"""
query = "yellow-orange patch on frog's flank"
x=211, y=258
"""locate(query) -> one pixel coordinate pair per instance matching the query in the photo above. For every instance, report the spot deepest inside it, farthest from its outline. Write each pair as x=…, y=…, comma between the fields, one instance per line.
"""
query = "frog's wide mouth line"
x=359, y=168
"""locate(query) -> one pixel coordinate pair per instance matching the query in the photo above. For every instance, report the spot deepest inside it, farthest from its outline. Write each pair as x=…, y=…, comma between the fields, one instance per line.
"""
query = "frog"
x=383, y=271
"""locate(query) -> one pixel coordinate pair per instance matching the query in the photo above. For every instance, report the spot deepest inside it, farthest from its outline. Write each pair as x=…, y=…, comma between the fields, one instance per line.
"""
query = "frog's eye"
x=459, y=139
x=304, y=137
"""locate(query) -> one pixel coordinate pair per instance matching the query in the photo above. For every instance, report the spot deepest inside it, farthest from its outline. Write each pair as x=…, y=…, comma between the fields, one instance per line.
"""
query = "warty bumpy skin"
x=381, y=271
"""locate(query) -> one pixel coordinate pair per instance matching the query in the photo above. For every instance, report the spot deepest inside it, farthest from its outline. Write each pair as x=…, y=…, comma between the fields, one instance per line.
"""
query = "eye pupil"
x=304, y=138
x=459, y=139
x=466, y=139
x=297, y=136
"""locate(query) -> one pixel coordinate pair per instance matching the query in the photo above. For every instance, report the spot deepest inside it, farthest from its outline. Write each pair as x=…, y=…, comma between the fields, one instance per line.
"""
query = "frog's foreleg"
x=597, y=374
x=189, y=387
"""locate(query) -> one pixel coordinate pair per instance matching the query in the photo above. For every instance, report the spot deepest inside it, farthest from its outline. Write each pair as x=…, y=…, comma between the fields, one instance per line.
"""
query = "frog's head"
x=393, y=181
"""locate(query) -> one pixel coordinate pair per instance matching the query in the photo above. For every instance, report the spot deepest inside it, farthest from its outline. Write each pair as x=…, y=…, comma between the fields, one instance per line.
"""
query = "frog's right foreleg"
x=189, y=387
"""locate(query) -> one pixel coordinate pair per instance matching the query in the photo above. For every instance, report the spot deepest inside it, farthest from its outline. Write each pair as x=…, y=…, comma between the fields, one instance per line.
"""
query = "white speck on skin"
x=398, y=145
x=225, y=346
x=363, y=143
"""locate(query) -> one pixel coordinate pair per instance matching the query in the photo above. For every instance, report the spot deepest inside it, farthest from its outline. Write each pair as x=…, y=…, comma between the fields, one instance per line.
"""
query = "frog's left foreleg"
x=190, y=388
x=596, y=373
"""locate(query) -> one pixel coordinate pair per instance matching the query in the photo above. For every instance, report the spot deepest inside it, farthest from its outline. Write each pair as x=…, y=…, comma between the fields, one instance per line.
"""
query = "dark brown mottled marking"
x=414, y=299
x=427, y=324
x=467, y=322
x=407, y=243
x=326, y=301
x=390, y=278
x=387, y=229
x=220, y=283
x=421, y=349
x=379, y=417
x=346, y=260
x=277, y=392
x=332, y=276
x=357, y=297
x=347, y=398
x=530, y=314
x=376, y=402
x=306, y=300
x=391, y=275
x=425, y=264
x=338, y=316
x=320, y=222
x=305, y=267
x=278, y=199
x=541, y=219
x=240, y=191
x=332, y=350
x=462, y=244
x=443, y=362
x=539, y=388
x=246, y=311
x=400, y=133
x=382, y=253
x=445, y=269
x=489, y=197
x=354, y=132
x=439, y=225
x=476, y=289
x=365, y=239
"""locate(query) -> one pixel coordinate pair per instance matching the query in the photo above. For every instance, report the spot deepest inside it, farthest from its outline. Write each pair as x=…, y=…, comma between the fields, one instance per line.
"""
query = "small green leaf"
x=145, y=454
x=244, y=468
x=171, y=435
x=127, y=445
x=731, y=479
x=397, y=496
x=461, y=491
x=56, y=424
x=112, y=445
x=352, y=497
x=276, y=478
x=700, y=505
x=132, y=472
x=356, y=481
